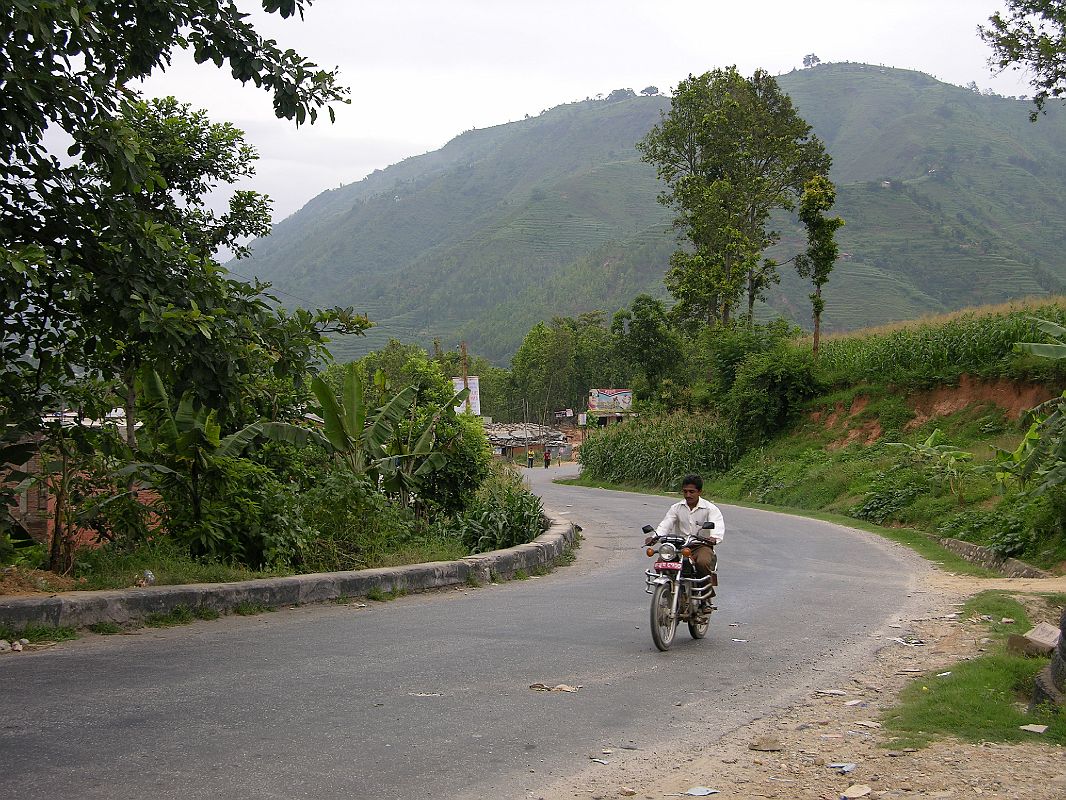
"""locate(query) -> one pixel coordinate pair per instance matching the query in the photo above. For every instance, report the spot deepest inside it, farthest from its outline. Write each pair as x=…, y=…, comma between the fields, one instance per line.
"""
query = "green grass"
x=998, y=605
x=984, y=699
x=108, y=568
x=472, y=581
x=981, y=700
x=379, y=595
x=38, y=633
x=520, y=575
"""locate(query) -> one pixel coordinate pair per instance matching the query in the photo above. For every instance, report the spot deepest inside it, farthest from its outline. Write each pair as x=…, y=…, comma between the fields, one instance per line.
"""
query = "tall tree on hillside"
x=819, y=195
x=1031, y=35
x=730, y=151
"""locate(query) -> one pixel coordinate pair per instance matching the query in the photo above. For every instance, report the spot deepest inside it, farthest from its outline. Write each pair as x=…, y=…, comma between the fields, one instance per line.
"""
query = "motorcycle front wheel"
x=663, y=618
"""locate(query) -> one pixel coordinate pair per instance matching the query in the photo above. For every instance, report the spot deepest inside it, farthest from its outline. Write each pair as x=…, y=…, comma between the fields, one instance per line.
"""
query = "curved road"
x=428, y=696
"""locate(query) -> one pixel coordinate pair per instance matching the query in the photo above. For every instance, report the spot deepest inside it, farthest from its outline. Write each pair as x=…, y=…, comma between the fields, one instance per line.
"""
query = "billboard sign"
x=473, y=403
x=610, y=401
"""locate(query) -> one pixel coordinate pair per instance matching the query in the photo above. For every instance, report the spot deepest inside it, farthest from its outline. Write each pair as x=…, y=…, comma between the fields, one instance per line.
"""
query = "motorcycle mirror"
x=647, y=529
x=707, y=526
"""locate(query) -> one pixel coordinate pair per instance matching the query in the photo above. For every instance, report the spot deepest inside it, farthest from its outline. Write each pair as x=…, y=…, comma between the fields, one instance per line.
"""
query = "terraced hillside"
x=951, y=199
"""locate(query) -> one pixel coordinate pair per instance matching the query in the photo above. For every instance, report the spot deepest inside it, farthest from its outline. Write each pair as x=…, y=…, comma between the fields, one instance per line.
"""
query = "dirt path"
x=825, y=730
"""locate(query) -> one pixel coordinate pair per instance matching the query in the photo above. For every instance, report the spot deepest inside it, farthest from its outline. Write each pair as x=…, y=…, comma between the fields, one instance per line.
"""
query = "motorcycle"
x=676, y=593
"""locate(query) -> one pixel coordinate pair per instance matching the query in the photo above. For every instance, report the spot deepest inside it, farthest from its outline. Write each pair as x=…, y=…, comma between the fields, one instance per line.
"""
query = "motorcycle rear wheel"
x=699, y=629
x=663, y=618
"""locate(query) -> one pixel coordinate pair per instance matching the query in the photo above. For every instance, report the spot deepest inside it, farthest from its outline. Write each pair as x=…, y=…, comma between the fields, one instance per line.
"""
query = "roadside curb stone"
x=985, y=557
x=126, y=606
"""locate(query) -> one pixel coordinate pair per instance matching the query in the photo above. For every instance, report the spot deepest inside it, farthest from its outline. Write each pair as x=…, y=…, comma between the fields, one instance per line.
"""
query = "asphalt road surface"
x=428, y=696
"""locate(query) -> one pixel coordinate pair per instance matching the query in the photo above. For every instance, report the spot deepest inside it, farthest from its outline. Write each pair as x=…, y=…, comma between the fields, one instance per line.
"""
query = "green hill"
x=951, y=199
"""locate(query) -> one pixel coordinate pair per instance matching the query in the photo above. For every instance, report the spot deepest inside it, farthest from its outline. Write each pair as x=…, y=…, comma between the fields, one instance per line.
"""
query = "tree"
x=645, y=341
x=730, y=150
x=650, y=91
x=811, y=60
x=819, y=195
x=1031, y=35
x=68, y=67
x=620, y=94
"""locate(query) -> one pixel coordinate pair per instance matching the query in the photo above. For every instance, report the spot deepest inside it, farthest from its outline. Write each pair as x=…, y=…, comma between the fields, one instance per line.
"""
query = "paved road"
x=428, y=696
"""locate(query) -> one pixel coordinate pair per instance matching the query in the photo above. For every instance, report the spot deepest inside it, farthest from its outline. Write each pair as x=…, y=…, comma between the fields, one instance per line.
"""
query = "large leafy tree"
x=558, y=363
x=1031, y=35
x=730, y=150
x=68, y=67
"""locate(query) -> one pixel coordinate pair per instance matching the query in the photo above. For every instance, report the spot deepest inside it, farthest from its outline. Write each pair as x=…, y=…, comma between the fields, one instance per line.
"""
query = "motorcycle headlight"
x=667, y=552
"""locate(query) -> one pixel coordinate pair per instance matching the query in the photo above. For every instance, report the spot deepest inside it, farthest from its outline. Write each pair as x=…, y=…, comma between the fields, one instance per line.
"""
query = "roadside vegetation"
x=854, y=432
x=981, y=700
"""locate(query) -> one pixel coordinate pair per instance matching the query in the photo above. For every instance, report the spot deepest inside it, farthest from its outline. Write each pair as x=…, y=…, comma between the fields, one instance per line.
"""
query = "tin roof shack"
x=513, y=440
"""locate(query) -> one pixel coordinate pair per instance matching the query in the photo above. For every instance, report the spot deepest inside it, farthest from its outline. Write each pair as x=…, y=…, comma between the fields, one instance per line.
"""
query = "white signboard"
x=473, y=403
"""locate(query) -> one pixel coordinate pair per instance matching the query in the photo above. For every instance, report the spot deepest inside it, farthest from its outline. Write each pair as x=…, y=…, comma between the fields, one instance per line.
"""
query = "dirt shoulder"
x=841, y=728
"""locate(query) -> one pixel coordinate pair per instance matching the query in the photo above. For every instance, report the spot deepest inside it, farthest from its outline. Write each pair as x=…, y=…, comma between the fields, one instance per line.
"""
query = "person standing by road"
x=529, y=458
x=686, y=519
x=547, y=457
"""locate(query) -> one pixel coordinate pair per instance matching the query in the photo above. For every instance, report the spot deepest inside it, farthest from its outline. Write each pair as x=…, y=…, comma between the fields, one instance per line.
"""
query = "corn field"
x=928, y=352
x=658, y=451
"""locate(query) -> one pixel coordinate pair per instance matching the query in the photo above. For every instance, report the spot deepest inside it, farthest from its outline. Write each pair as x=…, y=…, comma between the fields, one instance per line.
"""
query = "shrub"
x=504, y=514
x=769, y=388
x=243, y=514
x=352, y=525
x=466, y=448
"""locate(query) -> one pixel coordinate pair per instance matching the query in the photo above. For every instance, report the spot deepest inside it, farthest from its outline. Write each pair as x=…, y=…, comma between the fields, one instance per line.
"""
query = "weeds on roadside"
x=251, y=609
x=978, y=700
x=38, y=633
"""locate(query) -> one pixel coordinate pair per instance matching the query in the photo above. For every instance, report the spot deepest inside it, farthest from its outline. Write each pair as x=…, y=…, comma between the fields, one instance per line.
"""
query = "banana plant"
x=1040, y=457
x=355, y=434
x=375, y=443
x=415, y=455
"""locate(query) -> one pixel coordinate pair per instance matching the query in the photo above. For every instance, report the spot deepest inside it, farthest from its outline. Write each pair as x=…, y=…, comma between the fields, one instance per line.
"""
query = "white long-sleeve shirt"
x=681, y=520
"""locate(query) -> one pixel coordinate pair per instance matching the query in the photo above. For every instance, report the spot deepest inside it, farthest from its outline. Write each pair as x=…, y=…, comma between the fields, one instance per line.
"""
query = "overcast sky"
x=423, y=71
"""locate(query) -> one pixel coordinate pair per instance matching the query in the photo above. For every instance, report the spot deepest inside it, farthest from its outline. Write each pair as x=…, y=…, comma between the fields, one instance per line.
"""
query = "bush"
x=352, y=525
x=769, y=388
x=452, y=488
x=243, y=514
x=504, y=514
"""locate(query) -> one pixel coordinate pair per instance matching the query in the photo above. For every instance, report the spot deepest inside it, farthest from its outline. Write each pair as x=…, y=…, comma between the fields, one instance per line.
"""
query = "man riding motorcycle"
x=686, y=519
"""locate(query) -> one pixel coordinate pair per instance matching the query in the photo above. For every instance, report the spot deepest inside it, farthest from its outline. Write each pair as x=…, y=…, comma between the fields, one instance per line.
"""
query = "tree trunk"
x=817, y=319
x=131, y=404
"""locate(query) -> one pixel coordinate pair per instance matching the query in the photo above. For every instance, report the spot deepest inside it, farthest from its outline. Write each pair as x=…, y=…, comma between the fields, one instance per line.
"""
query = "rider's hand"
x=650, y=539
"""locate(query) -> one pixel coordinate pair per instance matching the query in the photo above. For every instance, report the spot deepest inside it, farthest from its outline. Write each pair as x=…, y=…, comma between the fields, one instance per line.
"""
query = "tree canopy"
x=730, y=150
x=1031, y=35
x=124, y=213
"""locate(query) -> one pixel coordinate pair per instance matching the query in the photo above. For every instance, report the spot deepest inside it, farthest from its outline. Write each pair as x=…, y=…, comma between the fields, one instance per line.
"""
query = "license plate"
x=667, y=565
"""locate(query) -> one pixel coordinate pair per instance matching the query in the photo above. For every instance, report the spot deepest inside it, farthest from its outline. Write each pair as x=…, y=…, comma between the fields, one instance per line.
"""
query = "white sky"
x=423, y=71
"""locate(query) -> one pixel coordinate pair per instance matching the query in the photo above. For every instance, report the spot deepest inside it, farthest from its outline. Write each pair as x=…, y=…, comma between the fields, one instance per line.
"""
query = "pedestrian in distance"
x=529, y=458
x=547, y=458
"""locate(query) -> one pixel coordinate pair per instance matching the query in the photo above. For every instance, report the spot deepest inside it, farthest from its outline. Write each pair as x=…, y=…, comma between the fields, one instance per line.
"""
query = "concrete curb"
x=126, y=606
x=985, y=557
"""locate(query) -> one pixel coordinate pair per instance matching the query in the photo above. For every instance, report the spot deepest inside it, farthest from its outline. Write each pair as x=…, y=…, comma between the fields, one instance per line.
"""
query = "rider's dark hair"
x=692, y=480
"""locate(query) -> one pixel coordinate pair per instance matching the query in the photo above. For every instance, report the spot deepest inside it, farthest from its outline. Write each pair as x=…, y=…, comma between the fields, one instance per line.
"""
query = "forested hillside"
x=951, y=198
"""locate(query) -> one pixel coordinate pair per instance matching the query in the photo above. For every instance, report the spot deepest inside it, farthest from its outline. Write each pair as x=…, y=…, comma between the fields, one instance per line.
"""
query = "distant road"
x=428, y=696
